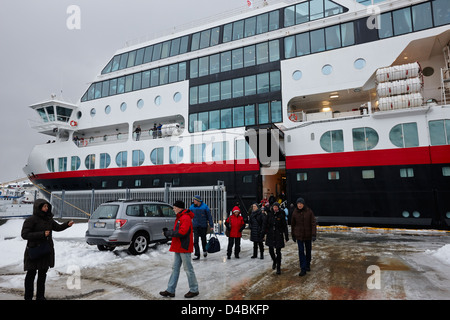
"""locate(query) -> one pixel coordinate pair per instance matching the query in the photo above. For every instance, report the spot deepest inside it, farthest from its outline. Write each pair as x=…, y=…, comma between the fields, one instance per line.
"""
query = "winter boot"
x=255, y=252
x=278, y=265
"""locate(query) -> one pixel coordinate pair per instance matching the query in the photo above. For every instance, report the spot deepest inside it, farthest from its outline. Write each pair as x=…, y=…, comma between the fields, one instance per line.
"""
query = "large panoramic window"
x=332, y=141
x=105, y=160
x=121, y=159
x=157, y=156
x=439, y=132
x=138, y=158
x=89, y=162
x=404, y=135
x=364, y=138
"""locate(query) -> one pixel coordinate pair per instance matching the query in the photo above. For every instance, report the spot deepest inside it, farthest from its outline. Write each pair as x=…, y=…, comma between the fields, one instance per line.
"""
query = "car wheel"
x=105, y=248
x=139, y=244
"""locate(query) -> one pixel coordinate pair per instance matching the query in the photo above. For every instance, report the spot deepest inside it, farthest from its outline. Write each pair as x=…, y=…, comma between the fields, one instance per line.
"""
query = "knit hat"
x=197, y=197
x=301, y=200
x=276, y=204
x=236, y=208
x=179, y=204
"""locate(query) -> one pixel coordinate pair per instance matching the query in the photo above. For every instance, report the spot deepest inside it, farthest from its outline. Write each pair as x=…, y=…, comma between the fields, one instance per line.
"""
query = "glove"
x=294, y=239
x=313, y=238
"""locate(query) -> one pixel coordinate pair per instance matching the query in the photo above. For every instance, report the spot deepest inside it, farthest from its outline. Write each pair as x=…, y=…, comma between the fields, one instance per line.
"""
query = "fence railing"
x=81, y=204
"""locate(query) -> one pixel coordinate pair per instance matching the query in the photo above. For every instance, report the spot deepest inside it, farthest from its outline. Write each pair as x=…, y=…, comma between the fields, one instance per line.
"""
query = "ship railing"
x=98, y=140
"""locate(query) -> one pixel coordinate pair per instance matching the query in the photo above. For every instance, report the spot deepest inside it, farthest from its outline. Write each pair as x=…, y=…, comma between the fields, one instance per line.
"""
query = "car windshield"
x=105, y=212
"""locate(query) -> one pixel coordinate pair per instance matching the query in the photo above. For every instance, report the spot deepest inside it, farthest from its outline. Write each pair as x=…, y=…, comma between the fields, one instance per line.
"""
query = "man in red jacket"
x=182, y=245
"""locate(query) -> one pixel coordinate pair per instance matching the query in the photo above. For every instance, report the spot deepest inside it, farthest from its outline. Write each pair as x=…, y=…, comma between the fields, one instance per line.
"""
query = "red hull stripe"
x=205, y=167
x=387, y=157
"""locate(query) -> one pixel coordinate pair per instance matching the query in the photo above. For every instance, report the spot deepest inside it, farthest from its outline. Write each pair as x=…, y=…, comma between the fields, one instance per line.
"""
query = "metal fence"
x=81, y=204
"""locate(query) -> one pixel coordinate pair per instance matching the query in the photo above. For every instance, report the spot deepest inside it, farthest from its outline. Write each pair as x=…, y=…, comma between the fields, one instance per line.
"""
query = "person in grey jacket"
x=202, y=216
x=39, y=253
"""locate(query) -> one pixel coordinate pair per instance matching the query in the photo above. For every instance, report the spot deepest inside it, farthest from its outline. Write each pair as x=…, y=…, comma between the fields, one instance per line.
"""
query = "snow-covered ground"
x=412, y=265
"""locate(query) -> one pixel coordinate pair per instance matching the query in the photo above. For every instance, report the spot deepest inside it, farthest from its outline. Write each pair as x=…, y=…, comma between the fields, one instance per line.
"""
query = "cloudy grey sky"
x=40, y=55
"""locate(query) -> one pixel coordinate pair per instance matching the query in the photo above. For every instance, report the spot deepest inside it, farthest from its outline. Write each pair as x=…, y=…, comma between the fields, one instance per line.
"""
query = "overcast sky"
x=40, y=55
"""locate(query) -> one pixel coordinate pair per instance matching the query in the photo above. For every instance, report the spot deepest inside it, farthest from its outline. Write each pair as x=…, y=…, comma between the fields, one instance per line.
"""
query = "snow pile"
x=442, y=254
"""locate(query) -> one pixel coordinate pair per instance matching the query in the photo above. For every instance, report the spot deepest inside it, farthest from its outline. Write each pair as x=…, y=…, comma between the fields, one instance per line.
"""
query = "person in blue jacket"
x=202, y=216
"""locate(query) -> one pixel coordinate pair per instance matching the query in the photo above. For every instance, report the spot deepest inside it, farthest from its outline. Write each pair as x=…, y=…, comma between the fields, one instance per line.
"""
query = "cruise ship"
x=342, y=102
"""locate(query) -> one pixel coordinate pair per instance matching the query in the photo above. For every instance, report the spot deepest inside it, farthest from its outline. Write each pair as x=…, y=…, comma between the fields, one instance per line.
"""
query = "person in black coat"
x=275, y=228
x=255, y=222
x=39, y=253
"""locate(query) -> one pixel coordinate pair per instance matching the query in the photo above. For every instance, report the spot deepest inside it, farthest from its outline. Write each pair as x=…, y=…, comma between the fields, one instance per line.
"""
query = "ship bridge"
x=55, y=118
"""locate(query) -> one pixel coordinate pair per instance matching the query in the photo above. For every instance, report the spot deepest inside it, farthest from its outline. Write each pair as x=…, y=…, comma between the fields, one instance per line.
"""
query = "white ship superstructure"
x=353, y=97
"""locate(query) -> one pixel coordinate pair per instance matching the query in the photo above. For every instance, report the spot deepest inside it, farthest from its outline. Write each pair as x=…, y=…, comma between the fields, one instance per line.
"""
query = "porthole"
x=359, y=63
x=405, y=214
x=140, y=104
x=416, y=214
x=297, y=75
x=108, y=109
x=327, y=69
x=123, y=107
x=448, y=215
x=79, y=115
x=428, y=71
x=158, y=100
x=177, y=97
x=93, y=112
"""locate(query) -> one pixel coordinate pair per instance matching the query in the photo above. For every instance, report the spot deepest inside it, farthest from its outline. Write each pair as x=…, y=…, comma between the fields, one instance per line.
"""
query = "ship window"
x=175, y=154
x=289, y=16
x=163, y=75
x=243, y=150
x=332, y=141
x=89, y=162
x=123, y=107
x=203, y=66
x=364, y=138
x=177, y=97
x=214, y=91
x=446, y=172
x=407, y=172
x=316, y=9
x=93, y=112
x=274, y=20
x=421, y=15
x=227, y=32
x=138, y=158
x=333, y=175
x=214, y=64
x=302, y=176
x=165, y=49
x=263, y=83
x=120, y=85
x=214, y=119
x=333, y=37
x=249, y=56
x=173, y=73
x=121, y=159
x=327, y=69
x=238, y=117
x=289, y=47
x=237, y=56
x=220, y=151
x=112, y=87
x=262, y=53
x=439, y=132
x=51, y=113
x=317, y=40
x=131, y=59
x=225, y=61
x=62, y=164
x=215, y=33
x=63, y=114
x=250, y=118
x=154, y=79
x=238, y=87
x=75, y=163
x=156, y=52
x=195, y=42
x=238, y=30
x=148, y=54
x=275, y=81
x=404, y=135
x=263, y=113
x=205, y=38
x=440, y=12
x=250, y=26
x=402, y=21
x=276, y=112
x=139, y=56
x=123, y=61
x=225, y=90
x=158, y=100
x=51, y=165
x=385, y=30
x=105, y=160
x=42, y=114
x=250, y=85
x=368, y=174
x=348, y=34
x=302, y=44
x=120, y=183
x=225, y=118
x=198, y=152
x=157, y=156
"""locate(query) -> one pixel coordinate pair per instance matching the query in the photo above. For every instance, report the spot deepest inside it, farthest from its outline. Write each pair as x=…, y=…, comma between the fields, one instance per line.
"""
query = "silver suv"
x=129, y=222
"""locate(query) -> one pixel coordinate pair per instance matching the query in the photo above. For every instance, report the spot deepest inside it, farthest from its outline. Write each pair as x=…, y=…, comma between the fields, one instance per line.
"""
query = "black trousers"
x=237, y=247
x=199, y=232
x=29, y=284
